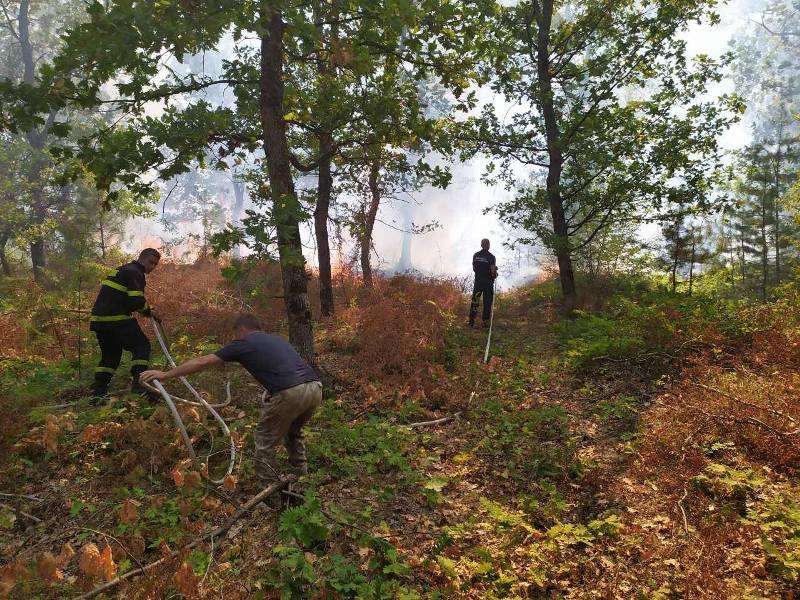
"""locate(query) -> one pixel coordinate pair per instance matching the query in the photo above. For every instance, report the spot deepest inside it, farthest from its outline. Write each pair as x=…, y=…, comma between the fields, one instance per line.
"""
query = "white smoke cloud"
x=461, y=208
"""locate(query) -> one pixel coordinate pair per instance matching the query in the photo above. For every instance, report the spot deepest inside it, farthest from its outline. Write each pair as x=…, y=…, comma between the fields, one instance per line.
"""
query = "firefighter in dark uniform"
x=484, y=266
x=112, y=321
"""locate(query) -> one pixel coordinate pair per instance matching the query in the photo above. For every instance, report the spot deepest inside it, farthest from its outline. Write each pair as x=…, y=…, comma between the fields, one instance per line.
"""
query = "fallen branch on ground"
x=746, y=421
x=26, y=496
x=21, y=512
x=434, y=422
x=730, y=396
x=644, y=356
x=262, y=495
x=683, y=512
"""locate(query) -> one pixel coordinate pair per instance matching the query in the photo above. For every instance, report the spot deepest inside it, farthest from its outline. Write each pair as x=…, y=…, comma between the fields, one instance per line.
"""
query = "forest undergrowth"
x=647, y=447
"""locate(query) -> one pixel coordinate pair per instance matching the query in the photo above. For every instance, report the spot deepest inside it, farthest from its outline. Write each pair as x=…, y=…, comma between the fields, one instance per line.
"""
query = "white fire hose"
x=168, y=398
x=491, y=322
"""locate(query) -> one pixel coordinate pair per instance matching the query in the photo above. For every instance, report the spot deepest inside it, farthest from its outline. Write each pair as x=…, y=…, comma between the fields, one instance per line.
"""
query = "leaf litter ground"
x=615, y=483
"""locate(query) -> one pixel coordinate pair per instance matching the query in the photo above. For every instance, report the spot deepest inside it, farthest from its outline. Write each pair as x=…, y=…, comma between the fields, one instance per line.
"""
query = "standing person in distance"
x=115, y=327
x=294, y=388
x=485, y=268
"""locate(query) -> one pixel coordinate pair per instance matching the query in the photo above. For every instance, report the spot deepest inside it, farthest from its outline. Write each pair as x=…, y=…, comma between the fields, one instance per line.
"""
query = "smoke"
x=463, y=210
x=461, y=213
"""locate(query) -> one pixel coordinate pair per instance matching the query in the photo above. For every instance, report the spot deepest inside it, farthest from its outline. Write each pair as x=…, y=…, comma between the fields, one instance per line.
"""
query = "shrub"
x=399, y=327
x=653, y=326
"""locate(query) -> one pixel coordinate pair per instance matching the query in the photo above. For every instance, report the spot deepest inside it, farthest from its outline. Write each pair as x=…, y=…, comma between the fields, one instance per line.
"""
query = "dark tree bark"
x=38, y=260
x=369, y=222
x=742, y=257
x=236, y=213
x=764, y=248
x=24, y=37
x=322, y=12
x=324, y=188
x=6, y=266
x=691, y=263
x=776, y=209
x=101, y=225
x=676, y=240
x=37, y=141
x=544, y=18
x=286, y=206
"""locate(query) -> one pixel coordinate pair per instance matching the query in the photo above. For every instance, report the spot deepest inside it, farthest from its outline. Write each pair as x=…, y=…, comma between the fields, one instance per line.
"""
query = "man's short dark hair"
x=247, y=321
x=150, y=252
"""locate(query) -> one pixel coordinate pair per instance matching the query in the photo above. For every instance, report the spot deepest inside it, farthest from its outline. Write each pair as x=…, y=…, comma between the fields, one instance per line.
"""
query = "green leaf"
x=448, y=566
x=437, y=484
x=7, y=519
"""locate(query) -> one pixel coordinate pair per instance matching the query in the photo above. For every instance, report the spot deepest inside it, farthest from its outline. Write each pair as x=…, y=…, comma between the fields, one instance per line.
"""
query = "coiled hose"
x=168, y=398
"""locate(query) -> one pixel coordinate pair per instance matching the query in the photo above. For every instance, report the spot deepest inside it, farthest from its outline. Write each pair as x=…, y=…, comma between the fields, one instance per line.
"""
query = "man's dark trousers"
x=485, y=288
x=113, y=339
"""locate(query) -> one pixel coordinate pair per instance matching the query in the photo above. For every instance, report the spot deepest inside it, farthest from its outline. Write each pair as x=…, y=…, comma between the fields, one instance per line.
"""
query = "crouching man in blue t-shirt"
x=294, y=389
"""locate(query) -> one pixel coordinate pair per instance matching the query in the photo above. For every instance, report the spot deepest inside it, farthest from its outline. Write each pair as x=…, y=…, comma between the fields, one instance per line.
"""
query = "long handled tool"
x=491, y=321
x=168, y=398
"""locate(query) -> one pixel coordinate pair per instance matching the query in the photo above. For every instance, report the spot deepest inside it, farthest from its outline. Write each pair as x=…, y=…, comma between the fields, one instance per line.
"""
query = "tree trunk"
x=691, y=263
x=764, y=249
x=37, y=140
x=731, y=252
x=24, y=37
x=676, y=242
x=324, y=187
x=544, y=19
x=6, y=266
x=286, y=207
x=38, y=260
x=236, y=213
x=38, y=256
x=673, y=272
x=776, y=209
x=323, y=11
x=369, y=222
x=742, y=257
x=102, y=227
x=764, y=246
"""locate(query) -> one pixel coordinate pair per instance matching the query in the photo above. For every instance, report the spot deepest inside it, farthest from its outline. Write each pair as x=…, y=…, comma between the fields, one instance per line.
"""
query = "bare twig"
x=28, y=549
x=434, y=422
x=262, y=495
x=121, y=545
x=21, y=512
x=224, y=497
x=26, y=496
x=691, y=435
x=210, y=560
x=746, y=421
x=730, y=396
x=54, y=406
x=683, y=512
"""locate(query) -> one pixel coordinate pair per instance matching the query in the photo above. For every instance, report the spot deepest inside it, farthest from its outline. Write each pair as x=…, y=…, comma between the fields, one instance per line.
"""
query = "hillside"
x=646, y=449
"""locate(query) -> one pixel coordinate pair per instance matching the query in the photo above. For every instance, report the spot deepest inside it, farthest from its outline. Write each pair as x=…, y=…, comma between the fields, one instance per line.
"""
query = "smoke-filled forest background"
x=331, y=166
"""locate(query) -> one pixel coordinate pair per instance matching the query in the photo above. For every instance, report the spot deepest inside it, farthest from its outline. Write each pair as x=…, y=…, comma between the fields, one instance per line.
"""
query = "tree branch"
x=262, y=495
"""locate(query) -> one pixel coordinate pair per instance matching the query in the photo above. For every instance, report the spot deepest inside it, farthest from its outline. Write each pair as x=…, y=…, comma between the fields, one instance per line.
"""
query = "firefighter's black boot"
x=102, y=379
x=99, y=394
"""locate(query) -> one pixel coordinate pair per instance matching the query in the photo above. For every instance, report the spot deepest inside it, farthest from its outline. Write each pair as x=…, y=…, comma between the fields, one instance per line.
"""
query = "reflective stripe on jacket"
x=120, y=295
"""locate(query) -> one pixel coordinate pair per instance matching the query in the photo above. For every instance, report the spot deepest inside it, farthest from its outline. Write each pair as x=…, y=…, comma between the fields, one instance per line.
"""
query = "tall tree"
x=128, y=48
x=29, y=34
x=345, y=112
x=677, y=241
x=597, y=88
x=757, y=217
